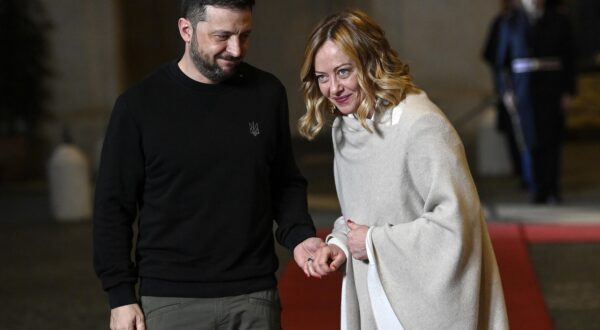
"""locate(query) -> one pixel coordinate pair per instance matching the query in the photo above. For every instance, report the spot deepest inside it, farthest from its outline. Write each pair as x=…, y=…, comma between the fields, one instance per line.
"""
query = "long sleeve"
x=118, y=191
x=205, y=169
x=434, y=259
x=501, y=57
x=339, y=235
x=288, y=186
x=490, y=46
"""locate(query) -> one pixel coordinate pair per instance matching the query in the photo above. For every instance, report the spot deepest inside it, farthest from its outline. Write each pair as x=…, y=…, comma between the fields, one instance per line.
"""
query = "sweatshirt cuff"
x=300, y=233
x=335, y=241
x=121, y=295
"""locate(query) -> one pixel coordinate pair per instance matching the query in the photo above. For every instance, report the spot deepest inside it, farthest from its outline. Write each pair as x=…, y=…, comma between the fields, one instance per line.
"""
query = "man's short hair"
x=195, y=10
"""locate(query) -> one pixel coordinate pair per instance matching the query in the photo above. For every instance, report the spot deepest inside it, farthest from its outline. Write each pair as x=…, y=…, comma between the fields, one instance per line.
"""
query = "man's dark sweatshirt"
x=207, y=168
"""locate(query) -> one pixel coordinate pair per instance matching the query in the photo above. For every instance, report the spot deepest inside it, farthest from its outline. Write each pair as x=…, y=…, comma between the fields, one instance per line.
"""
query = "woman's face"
x=336, y=75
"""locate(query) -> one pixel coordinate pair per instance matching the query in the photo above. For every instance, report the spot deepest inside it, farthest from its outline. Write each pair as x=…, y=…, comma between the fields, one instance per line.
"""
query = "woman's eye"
x=321, y=79
x=344, y=73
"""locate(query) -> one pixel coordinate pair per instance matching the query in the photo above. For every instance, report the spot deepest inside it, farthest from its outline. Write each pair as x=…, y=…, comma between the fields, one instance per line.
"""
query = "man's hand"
x=128, y=317
x=357, y=238
x=307, y=250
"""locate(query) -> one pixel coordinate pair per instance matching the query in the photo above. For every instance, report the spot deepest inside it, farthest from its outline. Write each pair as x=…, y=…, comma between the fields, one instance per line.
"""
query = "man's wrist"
x=121, y=295
x=301, y=233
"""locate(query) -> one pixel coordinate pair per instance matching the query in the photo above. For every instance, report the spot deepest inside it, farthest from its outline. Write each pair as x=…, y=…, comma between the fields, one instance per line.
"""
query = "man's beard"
x=208, y=69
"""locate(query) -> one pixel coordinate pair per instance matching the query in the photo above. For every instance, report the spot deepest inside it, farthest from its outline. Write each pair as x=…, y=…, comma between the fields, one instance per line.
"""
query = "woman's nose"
x=335, y=87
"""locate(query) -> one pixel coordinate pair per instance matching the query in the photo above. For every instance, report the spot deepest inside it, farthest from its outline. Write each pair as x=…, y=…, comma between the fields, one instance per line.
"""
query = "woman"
x=412, y=239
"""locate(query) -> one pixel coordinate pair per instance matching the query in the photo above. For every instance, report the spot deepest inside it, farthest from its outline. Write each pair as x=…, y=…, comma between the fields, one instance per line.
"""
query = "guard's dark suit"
x=535, y=60
x=503, y=119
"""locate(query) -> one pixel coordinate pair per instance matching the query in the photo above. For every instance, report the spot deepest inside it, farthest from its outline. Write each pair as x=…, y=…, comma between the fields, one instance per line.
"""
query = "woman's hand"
x=357, y=238
x=328, y=259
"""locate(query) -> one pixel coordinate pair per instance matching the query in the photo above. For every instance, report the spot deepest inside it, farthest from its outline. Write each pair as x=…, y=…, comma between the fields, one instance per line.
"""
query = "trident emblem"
x=254, y=130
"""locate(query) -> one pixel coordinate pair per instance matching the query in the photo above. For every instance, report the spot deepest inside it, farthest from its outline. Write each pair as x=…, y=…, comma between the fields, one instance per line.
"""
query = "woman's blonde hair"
x=383, y=78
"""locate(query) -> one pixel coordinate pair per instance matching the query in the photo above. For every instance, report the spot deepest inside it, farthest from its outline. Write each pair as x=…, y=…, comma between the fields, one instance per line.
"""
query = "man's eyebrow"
x=218, y=31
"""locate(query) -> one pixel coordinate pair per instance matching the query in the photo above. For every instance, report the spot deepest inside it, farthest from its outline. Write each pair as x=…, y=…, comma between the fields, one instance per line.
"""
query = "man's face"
x=532, y=6
x=220, y=42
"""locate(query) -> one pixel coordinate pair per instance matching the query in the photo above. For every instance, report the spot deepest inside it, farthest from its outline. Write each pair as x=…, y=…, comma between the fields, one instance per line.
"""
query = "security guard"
x=536, y=77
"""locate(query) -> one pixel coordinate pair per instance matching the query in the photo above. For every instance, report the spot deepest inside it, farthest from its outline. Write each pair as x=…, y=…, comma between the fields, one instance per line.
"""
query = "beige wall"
x=84, y=54
x=442, y=41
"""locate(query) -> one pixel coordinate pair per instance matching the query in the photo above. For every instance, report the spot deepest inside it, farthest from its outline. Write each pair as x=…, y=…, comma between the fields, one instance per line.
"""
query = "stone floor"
x=48, y=282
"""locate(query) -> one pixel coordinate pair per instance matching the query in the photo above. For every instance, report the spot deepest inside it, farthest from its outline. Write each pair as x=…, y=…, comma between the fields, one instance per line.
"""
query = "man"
x=536, y=76
x=200, y=152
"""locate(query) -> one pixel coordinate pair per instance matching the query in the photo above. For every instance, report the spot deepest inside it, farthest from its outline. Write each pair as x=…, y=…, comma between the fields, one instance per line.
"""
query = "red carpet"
x=524, y=301
x=315, y=304
x=562, y=233
x=309, y=303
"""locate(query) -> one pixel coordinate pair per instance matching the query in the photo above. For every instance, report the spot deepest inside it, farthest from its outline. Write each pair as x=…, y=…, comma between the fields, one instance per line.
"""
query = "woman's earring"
x=332, y=109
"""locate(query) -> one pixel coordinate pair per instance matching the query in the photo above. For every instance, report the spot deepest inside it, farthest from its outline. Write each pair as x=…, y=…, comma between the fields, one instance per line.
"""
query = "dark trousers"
x=258, y=310
x=505, y=125
x=546, y=168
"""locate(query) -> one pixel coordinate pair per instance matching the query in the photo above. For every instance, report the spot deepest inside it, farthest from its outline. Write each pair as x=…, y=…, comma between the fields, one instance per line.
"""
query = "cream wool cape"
x=410, y=183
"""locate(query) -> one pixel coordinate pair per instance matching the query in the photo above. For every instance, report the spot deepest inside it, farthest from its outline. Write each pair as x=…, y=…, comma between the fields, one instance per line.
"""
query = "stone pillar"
x=84, y=47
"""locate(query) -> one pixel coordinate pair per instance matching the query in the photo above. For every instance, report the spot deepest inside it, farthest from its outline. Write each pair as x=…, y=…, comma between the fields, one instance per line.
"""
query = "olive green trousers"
x=257, y=310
